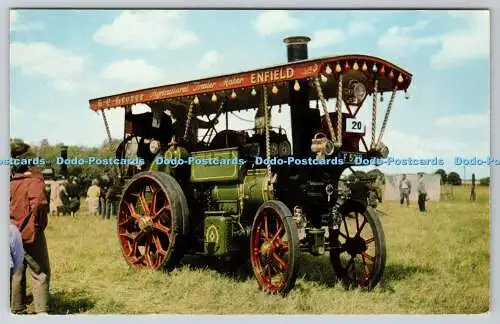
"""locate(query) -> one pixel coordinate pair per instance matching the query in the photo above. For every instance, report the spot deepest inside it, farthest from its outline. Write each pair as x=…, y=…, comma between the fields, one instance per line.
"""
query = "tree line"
x=86, y=172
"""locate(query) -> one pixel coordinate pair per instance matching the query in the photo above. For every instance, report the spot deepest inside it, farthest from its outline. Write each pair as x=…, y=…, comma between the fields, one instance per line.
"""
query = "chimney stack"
x=305, y=121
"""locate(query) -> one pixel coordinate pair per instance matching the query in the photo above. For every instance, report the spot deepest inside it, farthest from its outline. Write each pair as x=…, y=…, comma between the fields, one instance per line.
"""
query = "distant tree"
x=484, y=181
x=44, y=142
x=443, y=175
x=454, y=179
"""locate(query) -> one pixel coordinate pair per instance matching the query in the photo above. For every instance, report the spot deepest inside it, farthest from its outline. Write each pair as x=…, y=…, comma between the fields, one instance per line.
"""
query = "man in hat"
x=405, y=190
x=28, y=212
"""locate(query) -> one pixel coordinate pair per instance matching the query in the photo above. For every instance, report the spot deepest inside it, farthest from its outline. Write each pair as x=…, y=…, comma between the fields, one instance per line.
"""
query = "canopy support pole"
x=321, y=97
x=339, y=112
x=110, y=139
x=386, y=118
x=267, y=134
x=188, y=120
x=374, y=113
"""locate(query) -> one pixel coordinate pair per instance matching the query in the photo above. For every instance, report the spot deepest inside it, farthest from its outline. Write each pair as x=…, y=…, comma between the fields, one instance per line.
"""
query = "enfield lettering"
x=272, y=75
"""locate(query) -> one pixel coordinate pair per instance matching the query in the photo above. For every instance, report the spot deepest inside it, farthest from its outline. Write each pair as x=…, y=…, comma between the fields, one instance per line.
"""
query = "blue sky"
x=62, y=58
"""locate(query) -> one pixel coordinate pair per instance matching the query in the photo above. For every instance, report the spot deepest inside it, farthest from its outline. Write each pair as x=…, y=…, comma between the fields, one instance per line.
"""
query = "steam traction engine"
x=268, y=213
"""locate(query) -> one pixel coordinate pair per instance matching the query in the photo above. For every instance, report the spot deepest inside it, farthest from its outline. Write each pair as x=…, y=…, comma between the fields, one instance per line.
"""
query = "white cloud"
x=209, y=60
x=455, y=48
x=466, y=121
x=326, y=37
x=60, y=67
x=137, y=72
x=17, y=25
x=335, y=36
x=404, y=144
x=400, y=41
x=360, y=27
x=467, y=44
x=275, y=21
x=147, y=30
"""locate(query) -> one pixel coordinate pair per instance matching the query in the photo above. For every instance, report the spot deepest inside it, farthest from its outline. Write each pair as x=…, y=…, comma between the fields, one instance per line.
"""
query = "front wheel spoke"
x=266, y=270
x=362, y=226
x=139, y=259
x=283, y=246
x=144, y=203
x=159, y=248
x=130, y=236
x=131, y=209
x=281, y=263
x=156, y=214
x=126, y=221
x=369, y=257
x=278, y=233
x=366, y=271
x=266, y=228
x=133, y=249
x=343, y=235
x=370, y=240
x=162, y=228
x=353, y=266
x=348, y=266
x=345, y=225
x=154, y=194
x=147, y=250
x=262, y=232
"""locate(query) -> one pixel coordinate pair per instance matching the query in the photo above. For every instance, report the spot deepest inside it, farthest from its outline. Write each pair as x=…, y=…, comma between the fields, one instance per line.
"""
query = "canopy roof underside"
x=243, y=90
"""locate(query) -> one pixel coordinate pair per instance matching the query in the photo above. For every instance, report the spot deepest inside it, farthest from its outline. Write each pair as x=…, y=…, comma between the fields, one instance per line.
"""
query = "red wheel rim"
x=145, y=224
x=269, y=250
x=357, y=249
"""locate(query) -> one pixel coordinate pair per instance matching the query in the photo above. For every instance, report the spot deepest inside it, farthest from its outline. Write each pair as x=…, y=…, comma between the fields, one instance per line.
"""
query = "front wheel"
x=274, y=248
x=358, y=252
x=152, y=221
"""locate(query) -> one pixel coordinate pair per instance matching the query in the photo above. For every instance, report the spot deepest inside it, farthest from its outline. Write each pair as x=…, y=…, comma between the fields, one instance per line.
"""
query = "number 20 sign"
x=354, y=125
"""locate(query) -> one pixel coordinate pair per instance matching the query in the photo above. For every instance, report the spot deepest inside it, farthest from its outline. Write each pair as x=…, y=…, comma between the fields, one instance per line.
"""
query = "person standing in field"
x=54, y=197
x=29, y=213
x=405, y=190
x=473, y=188
x=422, y=193
x=93, y=196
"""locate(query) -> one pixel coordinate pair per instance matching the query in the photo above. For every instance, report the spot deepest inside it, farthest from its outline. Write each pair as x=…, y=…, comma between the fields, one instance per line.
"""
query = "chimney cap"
x=296, y=40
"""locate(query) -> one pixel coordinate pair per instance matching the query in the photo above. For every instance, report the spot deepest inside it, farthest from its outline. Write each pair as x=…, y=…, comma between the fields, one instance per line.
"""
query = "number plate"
x=350, y=157
x=354, y=125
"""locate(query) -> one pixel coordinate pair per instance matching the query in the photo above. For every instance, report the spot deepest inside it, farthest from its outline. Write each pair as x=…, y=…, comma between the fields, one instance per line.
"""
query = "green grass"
x=437, y=263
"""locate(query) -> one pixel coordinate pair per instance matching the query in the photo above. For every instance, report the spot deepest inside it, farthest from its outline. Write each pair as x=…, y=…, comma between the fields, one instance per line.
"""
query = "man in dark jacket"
x=28, y=212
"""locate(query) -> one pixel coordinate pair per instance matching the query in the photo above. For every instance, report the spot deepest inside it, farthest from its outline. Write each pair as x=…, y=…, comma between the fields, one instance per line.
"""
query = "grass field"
x=437, y=263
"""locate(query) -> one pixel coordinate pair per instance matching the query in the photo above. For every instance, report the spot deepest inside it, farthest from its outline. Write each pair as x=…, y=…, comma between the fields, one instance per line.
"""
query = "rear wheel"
x=274, y=248
x=152, y=219
x=358, y=252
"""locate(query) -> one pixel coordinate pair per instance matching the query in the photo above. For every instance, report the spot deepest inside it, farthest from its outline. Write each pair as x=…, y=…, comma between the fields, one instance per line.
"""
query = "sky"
x=59, y=59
